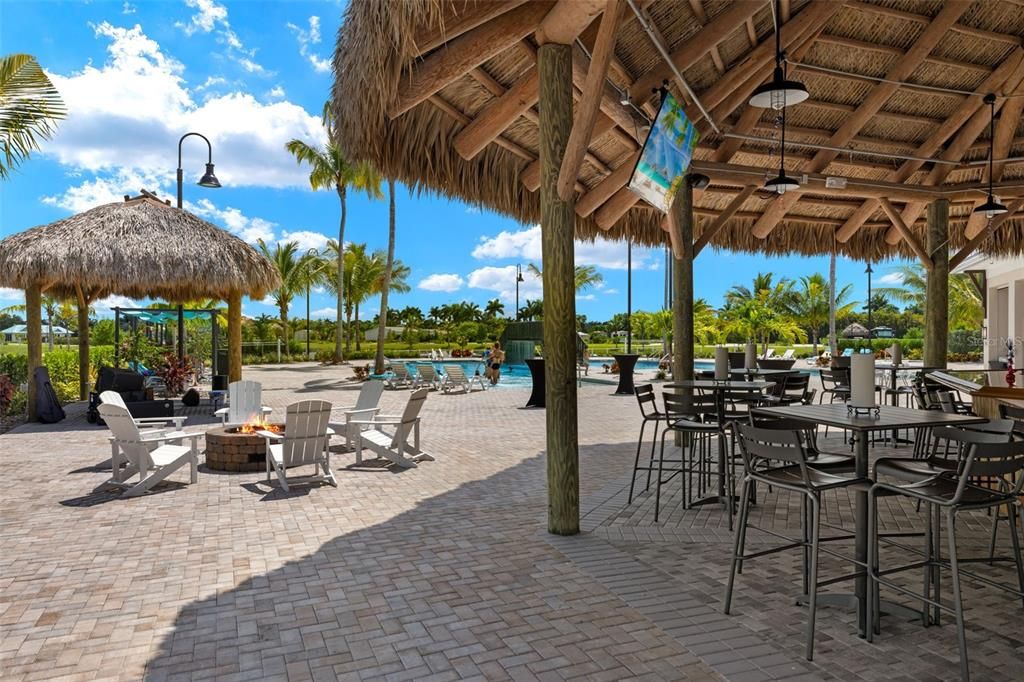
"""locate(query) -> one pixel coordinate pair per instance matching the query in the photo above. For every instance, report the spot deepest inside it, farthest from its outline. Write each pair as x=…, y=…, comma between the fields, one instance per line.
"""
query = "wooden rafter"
x=590, y=103
x=869, y=106
x=458, y=19
x=893, y=51
x=601, y=192
x=469, y=50
x=566, y=20
x=935, y=141
x=987, y=231
x=722, y=219
x=921, y=19
x=910, y=237
x=498, y=115
x=698, y=11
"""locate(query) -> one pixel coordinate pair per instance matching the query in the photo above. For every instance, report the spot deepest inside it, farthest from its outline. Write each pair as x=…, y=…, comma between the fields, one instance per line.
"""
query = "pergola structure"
x=141, y=247
x=539, y=109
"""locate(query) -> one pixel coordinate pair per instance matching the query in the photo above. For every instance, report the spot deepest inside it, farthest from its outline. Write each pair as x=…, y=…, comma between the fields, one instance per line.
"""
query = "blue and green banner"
x=666, y=155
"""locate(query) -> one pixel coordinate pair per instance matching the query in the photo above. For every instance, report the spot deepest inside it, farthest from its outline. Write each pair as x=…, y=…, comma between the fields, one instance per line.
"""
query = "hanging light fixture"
x=991, y=207
x=782, y=183
x=779, y=93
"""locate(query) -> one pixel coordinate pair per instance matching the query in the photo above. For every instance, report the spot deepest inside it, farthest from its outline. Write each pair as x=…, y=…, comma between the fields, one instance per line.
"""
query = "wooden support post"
x=558, y=222
x=681, y=225
x=34, y=322
x=936, y=309
x=234, y=336
x=83, y=344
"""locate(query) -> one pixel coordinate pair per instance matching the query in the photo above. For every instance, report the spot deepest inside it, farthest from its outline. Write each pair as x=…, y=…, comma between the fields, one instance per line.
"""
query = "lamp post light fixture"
x=871, y=333
x=208, y=180
x=519, y=278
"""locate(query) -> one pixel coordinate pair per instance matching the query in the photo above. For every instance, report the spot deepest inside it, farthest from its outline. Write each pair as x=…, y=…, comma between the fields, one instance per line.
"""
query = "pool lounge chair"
x=788, y=355
x=306, y=440
x=399, y=376
x=768, y=354
x=427, y=376
x=244, y=403
x=366, y=407
x=456, y=379
x=395, y=447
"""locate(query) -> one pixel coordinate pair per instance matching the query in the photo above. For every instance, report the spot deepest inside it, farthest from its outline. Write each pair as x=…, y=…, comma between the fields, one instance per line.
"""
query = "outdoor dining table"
x=718, y=389
x=888, y=417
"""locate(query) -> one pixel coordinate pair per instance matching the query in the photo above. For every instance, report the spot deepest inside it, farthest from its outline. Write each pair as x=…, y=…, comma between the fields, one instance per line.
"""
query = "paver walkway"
x=440, y=572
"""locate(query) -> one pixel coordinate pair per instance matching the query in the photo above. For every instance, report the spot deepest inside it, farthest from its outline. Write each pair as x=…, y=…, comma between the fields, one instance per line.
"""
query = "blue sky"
x=252, y=75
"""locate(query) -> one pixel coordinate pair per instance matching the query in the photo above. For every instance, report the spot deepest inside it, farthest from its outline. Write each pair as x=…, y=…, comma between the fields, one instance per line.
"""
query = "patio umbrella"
x=141, y=247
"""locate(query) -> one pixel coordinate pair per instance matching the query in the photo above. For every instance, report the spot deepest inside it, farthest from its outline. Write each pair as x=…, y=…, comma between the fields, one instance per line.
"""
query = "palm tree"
x=494, y=308
x=532, y=310
x=331, y=170
x=762, y=311
x=965, y=309
x=385, y=285
x=29, y=107
x=812, y=304
x=586, y=276
x=833, y=341
x=292, y=266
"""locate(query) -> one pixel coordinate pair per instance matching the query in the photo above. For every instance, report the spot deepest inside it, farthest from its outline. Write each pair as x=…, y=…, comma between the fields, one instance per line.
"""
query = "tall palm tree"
x=532, y=310
x=762, y=312
x=292, y=266
x=833, y=340
x=385, y=285
x=586, y=276
x=812, y=304
x=494, y=308
x=329, y=169
x=965, y=308
x=29, y=108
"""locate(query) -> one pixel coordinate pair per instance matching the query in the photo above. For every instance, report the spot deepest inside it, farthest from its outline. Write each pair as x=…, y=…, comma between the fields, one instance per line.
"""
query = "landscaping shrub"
x=965, y=342
x=7, y=390
x=15, y=367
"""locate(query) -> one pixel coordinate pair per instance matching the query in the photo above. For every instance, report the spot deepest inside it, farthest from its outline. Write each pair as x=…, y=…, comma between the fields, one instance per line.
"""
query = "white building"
x=1001, y=281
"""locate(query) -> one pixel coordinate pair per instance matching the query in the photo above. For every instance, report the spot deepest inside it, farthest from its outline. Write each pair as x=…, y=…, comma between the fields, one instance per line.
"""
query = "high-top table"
x=627, y=361
x=888, y=418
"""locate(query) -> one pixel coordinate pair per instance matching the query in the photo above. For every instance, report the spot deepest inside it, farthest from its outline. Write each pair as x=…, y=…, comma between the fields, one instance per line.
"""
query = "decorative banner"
x=666, y=155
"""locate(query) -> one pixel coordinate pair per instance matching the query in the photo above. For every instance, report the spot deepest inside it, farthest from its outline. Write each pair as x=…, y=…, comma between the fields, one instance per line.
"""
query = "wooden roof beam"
x=566, y=20
x=458, y=19
x=469, y=50
x=498, y=115
x=921, y=19
x=910, y=237
x=722, y=219
x=589, y=40
x=938, y=138
x=698, y=11
x=894, y=51
x=692, y=50
x=872, y=104
x=590, y=103
x=987, y=231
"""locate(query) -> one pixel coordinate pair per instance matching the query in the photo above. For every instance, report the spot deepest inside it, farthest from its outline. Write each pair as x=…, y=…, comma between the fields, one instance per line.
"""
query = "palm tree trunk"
x=832, y=342
x=357, y=331
x=49, y=327
x=339, y=329
x=382, y=324
x=348, y=325
x=284, y=327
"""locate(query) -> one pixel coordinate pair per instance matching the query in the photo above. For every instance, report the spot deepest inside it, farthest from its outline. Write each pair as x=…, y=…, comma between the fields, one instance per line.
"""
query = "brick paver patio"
x=440, y=572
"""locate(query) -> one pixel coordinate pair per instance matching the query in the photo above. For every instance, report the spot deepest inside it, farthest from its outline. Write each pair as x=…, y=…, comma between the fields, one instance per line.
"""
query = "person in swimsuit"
x=497, y=357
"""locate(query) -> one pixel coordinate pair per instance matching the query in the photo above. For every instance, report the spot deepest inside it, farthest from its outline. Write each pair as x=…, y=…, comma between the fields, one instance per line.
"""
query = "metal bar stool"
x=683, y=415
x=649, y=411
x=951, y=492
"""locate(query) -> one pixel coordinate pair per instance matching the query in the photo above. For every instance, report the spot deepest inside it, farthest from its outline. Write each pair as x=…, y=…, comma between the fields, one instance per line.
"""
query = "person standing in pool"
x=497, y=357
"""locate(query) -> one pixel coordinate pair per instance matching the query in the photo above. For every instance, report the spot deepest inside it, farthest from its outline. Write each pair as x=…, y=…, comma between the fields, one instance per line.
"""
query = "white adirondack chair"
x=114, y=398
x=456, y=379
x=244, y=403
x=150, y=454
x=306, y=440
x=400, y=377
x=426, y=375
x=395, y=446
x=366, y=407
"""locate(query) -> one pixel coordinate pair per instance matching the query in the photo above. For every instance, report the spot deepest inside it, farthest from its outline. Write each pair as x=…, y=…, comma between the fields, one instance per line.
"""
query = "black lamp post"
x=871, y=333
x=208, y=180
x=519, y=278
x=629, y=295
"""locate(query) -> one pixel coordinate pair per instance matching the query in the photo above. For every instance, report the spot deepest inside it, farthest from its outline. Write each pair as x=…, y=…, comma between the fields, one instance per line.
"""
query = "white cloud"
x=611, y=291
x=441, y=282
x=306, y=239
x=473, y=210
x=276, y=92
x=326, y=313
x=211, y=81
x=213, y=17
x=585, y=297
x=13, y=296
x=110, y=189
x=267, y=300
x=125, y=117
x=128, y=8
x=308, y=38
x=503, y=281
x=115, y=301
x=525, y=244
x=209, y=15
x=236, y=222
x=892, y=278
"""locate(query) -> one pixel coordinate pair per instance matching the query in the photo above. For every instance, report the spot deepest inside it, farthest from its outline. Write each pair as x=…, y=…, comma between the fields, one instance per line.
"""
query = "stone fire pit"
x=227, y=449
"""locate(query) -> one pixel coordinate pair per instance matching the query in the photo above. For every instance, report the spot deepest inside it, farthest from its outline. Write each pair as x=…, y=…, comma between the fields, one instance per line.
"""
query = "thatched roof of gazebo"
x=139, y=247
x=414, y=76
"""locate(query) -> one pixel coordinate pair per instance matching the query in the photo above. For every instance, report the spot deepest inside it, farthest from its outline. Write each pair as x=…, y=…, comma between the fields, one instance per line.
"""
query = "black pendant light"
x=991, y=207
x=782, y=183
x=779, y=93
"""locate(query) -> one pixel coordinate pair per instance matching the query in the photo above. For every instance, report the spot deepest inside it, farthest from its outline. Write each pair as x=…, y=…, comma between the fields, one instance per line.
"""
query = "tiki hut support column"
x=558, y=220
x=83, y=344
x=235, y=336
x=936, y=310
x=681, y=226
x=34, y=322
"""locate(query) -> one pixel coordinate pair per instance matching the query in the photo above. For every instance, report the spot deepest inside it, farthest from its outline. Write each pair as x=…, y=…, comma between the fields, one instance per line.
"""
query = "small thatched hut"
x=856, y=331
x=141, y=248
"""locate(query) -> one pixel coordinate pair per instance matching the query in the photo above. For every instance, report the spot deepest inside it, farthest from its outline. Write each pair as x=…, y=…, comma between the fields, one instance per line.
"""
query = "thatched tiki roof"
x=139, y=248
x=442, y=94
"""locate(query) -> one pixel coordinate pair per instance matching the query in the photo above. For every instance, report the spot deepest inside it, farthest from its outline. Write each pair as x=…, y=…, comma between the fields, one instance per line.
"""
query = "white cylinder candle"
x=721, y=363
x=750, y=357
x=897, y=354
x=862, y=380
